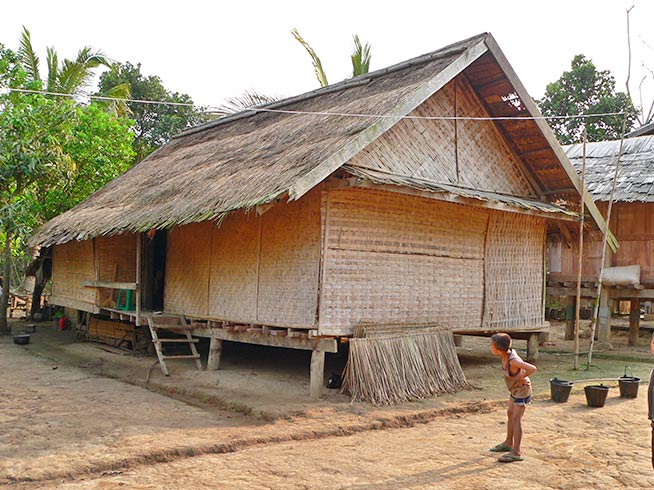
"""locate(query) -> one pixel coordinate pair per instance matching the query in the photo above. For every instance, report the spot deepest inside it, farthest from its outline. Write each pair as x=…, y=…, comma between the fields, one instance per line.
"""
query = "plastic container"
x=21, y=339
x=628, y=384
x=560, y=389
x=596, y=395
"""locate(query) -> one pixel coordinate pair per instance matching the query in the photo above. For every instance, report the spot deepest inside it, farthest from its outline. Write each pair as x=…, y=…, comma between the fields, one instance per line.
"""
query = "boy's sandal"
x=510, y=458
x=500, y=448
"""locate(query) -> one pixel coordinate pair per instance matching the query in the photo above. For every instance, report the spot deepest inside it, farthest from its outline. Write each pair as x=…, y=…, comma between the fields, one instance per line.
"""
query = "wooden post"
x=604, y=316
x=215, y=352
x=317, y=379
x=532, y=347
x=570, y=308
x=458, y=340
x=634, y=321
x=138, y=279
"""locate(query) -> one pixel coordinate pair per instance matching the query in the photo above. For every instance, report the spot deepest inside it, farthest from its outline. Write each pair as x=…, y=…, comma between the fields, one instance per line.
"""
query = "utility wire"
x=323, y=113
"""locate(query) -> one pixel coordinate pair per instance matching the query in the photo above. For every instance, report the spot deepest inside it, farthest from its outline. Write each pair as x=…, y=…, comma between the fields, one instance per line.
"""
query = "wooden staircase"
x=174, y=324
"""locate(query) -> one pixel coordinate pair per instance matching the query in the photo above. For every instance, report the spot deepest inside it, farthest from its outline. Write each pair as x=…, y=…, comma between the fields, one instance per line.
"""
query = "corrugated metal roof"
x=636, y=177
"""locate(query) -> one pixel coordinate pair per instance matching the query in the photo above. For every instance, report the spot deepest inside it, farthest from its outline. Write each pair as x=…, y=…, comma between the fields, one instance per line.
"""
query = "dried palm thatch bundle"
x=393, y=363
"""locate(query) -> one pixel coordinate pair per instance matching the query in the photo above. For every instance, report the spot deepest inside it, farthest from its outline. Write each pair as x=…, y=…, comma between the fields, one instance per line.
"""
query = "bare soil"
x=77, y=416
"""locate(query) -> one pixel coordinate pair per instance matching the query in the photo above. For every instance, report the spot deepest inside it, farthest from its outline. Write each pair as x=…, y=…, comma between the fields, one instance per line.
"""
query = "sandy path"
x=567, y=446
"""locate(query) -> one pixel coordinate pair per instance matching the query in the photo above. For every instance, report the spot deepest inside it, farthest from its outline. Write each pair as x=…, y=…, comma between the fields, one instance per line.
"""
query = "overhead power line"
x=325, y=113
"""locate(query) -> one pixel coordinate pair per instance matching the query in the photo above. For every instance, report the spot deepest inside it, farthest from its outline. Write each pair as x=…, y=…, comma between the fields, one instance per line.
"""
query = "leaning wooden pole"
x=605, y=236
x=580, y=252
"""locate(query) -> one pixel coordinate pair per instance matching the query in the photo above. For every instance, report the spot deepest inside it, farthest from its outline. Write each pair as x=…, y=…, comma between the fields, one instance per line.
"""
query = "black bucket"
x=596, y=395
x=560, y=389
x=628, y=384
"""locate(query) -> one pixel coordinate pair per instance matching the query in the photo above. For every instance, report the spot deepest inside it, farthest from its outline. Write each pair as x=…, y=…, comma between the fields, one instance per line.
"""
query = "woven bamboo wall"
x=514, y=271
x=468, y=153
x=234, y=268
x=393, y=258
x=250, y=269
x=290, y=262
x=73, y=263
x=187, y=269
x=633, y=225
x=116, y=256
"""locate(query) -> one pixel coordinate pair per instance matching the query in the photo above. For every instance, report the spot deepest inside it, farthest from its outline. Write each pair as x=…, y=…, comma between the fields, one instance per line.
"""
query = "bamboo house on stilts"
x=391, y=198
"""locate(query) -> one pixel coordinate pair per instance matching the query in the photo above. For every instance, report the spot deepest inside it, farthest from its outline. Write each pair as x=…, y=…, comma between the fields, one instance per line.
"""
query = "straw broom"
x=393, y=363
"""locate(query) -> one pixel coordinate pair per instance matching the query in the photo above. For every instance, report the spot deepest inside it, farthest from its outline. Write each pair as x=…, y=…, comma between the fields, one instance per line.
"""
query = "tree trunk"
x=4, y=299
x=41, y=277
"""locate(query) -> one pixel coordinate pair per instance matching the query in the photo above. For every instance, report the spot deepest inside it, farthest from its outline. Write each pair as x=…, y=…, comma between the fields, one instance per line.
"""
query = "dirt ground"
x=76, y=416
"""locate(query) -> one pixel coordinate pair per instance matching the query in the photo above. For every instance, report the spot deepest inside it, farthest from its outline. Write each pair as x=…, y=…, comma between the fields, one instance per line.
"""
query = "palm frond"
x=53, y=69
x=317, y=65
x=27, y=56
x=119, y=108
x=240, y=103
x=360, y=57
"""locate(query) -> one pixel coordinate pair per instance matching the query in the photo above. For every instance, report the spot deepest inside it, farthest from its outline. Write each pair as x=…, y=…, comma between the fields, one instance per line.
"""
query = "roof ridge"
x=450, y=49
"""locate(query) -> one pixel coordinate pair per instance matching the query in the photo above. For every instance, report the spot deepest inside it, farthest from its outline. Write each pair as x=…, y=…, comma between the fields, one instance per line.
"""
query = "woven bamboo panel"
x=234, y=268
x=393, y=258
x=415, y=147
x=290, y=262
x=115, y=255
x=485, y=161
x=187, y=269
x=514, y=271
x=72, y=264
x=108, y=330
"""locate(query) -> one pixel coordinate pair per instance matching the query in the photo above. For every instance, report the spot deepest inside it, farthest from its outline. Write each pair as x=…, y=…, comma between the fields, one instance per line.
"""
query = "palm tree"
x=360, y=58
x=69, y=76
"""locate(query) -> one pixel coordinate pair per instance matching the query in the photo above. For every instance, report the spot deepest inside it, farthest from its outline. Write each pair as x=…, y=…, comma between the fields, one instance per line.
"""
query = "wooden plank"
x=73, y=303
x=109, y=285
x=634, y=321
x=322, y=344
x=570, y=291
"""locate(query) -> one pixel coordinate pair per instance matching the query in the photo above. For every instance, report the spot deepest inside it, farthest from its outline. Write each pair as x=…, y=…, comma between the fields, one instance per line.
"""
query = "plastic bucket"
x=628, y=386
x=560, y=389
x=596, y=395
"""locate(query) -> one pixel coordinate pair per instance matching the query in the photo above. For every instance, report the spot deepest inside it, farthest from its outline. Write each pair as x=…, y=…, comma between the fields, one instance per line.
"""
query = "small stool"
x=129, y=303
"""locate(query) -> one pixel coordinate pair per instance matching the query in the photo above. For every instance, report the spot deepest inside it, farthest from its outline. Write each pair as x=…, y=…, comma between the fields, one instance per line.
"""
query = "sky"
x=215, y=50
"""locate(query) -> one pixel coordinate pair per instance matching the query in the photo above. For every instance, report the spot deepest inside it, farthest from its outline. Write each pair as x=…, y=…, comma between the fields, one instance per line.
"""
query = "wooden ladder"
x=177, y=325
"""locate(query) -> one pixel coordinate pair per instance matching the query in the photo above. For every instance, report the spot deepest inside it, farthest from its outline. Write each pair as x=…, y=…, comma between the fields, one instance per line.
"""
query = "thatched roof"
x=636, y=178
x=253, y=157
x=645, y=130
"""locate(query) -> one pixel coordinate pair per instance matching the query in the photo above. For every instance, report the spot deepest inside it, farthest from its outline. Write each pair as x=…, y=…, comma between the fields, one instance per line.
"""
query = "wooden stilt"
x=570, y=308
x=532, y=347
x=215, y=352
x=634, y=321
x=604, y=316
x=317, y=379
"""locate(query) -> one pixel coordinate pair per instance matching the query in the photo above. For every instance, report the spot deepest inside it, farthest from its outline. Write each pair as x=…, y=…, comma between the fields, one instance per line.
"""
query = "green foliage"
x=315, y=60
x=69, y=76
x=585, y=90
x=154, y=124
x=360, y=57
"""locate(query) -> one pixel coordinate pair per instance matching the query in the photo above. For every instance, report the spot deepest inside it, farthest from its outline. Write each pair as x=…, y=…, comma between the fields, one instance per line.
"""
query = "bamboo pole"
x=580, y=252
x=605, y=236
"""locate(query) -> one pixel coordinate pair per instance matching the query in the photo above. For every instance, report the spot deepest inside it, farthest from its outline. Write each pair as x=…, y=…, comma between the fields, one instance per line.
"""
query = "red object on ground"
x=63, y=323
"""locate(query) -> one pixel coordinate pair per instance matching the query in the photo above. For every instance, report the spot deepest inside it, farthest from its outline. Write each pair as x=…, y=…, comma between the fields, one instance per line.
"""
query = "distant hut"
x=292, y=223
x=632, y=221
